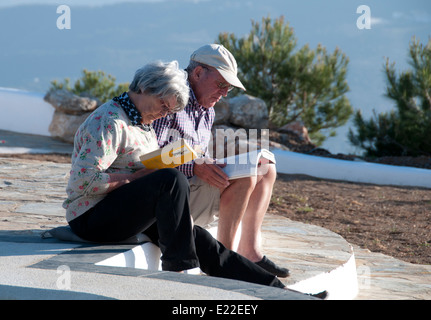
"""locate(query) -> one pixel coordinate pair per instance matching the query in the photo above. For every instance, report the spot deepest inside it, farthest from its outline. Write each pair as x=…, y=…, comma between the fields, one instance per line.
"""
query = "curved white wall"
x=354, y=171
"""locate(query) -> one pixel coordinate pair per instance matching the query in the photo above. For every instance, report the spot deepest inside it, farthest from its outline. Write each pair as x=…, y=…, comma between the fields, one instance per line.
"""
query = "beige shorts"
x=204, y=202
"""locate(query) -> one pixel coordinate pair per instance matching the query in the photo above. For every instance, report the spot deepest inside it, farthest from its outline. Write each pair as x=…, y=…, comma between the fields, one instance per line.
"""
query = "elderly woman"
x=111, y=196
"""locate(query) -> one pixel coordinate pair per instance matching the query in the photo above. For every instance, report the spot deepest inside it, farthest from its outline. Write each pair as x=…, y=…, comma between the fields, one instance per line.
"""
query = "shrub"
x=406, y=130
x=95, y=84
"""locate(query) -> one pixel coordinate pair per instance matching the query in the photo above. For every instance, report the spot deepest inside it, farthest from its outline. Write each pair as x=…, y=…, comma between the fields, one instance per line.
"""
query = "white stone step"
x=317, y=258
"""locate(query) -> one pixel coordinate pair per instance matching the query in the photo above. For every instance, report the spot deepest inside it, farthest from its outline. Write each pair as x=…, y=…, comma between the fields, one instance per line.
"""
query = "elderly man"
x=212, y=72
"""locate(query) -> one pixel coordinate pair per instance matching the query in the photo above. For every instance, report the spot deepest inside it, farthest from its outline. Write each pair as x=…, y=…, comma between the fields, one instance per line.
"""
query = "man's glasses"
x=220, y=84
x=224, y=85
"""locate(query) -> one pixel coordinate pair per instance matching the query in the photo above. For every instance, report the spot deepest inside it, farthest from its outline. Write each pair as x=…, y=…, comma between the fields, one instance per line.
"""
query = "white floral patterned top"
x=107, y=142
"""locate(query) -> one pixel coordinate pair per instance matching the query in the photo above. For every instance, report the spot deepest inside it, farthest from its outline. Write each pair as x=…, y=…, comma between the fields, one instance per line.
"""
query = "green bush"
x=95, y=84
x=405, y=131
x=305, y=84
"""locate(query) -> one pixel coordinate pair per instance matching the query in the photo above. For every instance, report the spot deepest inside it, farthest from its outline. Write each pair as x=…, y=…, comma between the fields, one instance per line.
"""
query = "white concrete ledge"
x=353, y=171
x=147, y=256
x=341, y=283
x=328, y=264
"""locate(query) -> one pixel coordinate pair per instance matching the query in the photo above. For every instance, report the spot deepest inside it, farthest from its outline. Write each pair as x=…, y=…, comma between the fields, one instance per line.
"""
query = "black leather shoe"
x=321, y=295
x=271, y=267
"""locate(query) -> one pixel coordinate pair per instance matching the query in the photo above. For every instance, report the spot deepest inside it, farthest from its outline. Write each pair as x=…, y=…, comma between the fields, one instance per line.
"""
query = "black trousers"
x=158, y=205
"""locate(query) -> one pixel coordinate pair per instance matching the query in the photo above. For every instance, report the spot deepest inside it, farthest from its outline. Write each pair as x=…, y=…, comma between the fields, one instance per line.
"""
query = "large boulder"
x=222, y=112
x=298, y=128
x=64, y=126
x=70, y=111
x=69, y=103
x=238, y=126
x=248, y=112
x=228, y=141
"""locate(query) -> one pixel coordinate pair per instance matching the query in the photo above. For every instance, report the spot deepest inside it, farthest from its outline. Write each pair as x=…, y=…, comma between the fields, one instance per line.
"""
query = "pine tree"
x=307, y=85
x=406, y=130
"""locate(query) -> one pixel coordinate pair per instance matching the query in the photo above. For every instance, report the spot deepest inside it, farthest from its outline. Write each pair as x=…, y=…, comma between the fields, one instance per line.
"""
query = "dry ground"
x=391, y=220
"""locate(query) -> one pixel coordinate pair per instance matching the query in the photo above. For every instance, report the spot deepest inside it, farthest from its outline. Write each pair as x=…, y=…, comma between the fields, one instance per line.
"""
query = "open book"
x=170, y=156
x=247, y=164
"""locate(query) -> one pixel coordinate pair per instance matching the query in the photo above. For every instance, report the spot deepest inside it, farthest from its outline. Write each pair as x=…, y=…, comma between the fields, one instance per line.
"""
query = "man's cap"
x=217, y=56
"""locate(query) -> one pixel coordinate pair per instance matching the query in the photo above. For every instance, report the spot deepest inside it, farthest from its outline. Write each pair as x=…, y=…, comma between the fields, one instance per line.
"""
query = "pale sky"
x=87, y=3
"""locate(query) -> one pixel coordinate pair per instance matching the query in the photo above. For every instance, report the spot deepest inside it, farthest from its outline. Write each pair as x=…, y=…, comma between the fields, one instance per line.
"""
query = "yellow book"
x=170, y=156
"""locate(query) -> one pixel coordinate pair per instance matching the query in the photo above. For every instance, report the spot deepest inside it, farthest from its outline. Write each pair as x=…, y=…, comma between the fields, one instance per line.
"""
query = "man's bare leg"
x=249, y=245
x=233, y=204
x=247, y=200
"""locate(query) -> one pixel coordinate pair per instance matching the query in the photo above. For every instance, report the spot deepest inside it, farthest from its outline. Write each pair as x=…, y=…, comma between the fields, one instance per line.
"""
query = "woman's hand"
x=141, y=173
x=117, y=180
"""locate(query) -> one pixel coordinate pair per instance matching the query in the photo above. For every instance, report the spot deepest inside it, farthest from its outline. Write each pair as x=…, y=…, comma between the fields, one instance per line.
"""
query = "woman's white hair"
x=162, y=79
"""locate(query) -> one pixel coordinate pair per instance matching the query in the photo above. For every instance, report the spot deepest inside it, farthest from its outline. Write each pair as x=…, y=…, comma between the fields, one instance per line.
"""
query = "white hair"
x=162, y=79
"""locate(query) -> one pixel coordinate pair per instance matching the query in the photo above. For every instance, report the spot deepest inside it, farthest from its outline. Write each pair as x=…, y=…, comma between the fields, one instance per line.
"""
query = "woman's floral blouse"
x=107, y=142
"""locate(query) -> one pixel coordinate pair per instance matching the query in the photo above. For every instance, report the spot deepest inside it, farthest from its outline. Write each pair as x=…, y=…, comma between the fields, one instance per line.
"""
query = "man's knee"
x=271, y=173
x=240, y=186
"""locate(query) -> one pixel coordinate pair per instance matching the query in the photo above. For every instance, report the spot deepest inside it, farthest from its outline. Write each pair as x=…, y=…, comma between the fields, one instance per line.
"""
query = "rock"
x=69, y=103
x=70, y=111
x=292, y=141
x=248, y=112
x=222, y=112
x=298, y=128
x=64, y=126
x=228, y=141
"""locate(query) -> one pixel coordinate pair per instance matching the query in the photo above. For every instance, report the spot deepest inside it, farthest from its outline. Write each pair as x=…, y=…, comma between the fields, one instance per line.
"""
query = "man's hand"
x=210, y=172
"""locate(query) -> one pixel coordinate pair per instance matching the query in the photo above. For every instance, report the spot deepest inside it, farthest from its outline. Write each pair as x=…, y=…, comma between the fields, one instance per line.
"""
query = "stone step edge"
x=325, y=257
x=341, y=283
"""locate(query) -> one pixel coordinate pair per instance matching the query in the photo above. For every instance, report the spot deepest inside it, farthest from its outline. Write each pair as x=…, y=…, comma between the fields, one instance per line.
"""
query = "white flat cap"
x=217, y=56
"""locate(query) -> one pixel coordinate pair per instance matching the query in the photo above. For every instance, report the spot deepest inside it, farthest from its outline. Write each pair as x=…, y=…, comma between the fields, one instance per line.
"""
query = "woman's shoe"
x=271, y=267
